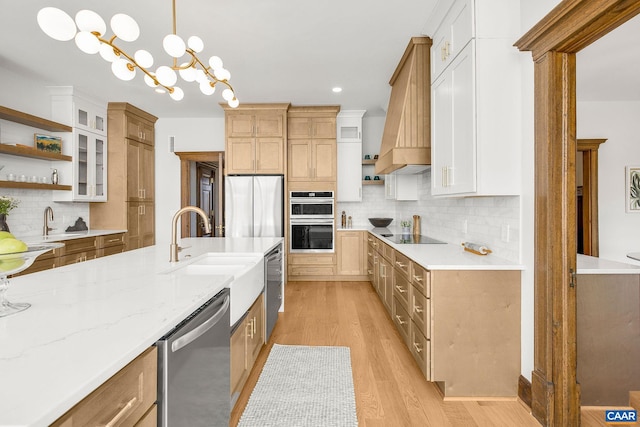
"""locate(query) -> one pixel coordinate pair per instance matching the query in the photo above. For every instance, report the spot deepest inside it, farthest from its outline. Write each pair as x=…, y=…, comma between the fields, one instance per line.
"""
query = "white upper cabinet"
x=476, y=105
x=349, y=125
x=88, y=150
x=349, y=152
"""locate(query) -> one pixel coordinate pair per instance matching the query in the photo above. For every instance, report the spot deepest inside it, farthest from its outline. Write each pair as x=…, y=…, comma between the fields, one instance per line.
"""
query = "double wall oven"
x=312, y=222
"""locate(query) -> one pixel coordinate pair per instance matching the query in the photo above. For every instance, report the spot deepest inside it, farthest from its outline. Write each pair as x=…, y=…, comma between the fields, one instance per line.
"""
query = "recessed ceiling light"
x=337, y=89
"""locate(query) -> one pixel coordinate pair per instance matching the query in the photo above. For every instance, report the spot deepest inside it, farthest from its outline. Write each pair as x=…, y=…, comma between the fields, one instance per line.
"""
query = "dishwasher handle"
x=191, y=336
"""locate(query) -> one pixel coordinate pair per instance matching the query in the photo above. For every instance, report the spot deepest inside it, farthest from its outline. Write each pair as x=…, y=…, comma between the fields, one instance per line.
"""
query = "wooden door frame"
x=569, y=27
x=186, y=157
x=589, y=149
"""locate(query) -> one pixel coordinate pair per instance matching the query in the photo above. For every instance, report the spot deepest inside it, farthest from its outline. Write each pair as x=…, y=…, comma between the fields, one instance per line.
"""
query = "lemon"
x=10, y=245
x=6, y=235
x=11, y=264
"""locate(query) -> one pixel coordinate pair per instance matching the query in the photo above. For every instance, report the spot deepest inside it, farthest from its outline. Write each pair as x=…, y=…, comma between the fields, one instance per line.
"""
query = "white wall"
x=203, y=134
x=619, y=231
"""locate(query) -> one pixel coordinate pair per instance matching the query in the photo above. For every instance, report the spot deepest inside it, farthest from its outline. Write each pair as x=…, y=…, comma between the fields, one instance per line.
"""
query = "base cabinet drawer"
x=421, y=312
x=402, y=290
x=421, y=350
x=123, y=400
x=402, y=320
x=77, y=257
x=310, y=270
x=150, y=419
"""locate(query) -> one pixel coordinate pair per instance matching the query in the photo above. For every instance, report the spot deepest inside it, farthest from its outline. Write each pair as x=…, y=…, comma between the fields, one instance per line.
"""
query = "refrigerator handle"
x=257, y=208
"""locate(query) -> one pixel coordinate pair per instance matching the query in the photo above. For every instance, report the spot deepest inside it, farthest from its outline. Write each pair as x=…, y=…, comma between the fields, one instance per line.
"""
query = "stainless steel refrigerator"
x=254, y=206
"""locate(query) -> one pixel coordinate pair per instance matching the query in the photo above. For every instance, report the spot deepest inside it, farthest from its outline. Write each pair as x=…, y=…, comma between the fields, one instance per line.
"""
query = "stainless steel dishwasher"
x=194, y=368
x=273, y=289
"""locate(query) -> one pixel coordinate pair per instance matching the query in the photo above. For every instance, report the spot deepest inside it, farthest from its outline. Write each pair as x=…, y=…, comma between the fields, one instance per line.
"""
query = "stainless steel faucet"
x=174, y=229
x=48, y=215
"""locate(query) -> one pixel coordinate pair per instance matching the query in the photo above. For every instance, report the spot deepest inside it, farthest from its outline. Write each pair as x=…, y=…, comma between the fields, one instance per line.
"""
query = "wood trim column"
x=555, y=242
x=588, y=148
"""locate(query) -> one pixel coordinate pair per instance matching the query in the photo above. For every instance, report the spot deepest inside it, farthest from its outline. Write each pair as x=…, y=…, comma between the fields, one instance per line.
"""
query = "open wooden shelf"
x=373, y=182
x=33, y=121
x=32, y=153
x=369, y=162
x=34, y=185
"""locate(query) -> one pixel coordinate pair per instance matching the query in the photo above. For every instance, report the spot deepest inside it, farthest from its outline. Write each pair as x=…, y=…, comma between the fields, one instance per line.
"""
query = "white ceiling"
x=277, y=51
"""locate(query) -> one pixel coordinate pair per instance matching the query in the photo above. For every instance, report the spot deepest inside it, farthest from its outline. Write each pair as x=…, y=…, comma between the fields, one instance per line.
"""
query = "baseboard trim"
x=524, y=391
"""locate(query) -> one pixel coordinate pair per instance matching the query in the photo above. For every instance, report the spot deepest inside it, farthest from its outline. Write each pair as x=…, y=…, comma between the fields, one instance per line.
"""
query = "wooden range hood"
x=406, y=139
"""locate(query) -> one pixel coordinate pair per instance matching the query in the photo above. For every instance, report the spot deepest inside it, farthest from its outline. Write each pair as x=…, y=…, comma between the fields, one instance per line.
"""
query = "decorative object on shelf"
x=406, y=227
x=376, y=178
x=7, y=204
x=633, y=189
x=90, y=38
x=375, y=157
x=12, y=263
x=51, y=144
x=367, y=157
x=54, y=176
x=343, y=221
x=80, y=225
x=380, y=222
x=476, y=248
x=367, y=178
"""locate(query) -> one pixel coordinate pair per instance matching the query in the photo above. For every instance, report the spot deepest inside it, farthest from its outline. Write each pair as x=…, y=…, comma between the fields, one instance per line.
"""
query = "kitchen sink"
x=247, y=272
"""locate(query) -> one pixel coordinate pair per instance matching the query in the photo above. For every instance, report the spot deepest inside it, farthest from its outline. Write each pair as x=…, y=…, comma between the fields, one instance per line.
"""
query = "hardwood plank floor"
x=390, y=389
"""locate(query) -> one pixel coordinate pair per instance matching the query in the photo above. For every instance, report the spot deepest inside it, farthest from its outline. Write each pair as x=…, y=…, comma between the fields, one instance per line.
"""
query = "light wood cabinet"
x=311, y=134
x=110, y=244
x=255, y=139
x=461, y=326
x=351, y=251
x=246, y=343
x=311, y=266
x=131, y=159
x=79, y=250
x=126, y=399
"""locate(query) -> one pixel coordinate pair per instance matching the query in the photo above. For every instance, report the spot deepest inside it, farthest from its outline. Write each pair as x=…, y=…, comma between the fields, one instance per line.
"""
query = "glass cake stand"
x=15, y=263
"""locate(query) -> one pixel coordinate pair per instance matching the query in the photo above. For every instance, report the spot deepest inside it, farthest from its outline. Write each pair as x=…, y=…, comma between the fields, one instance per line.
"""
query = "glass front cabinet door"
x=89, y=167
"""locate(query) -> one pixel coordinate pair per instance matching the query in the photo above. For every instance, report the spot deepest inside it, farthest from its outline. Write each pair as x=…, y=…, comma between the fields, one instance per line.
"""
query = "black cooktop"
x=411, y=239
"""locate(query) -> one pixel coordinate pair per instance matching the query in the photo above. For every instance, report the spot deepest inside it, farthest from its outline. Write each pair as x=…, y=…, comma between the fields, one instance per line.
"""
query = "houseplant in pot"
x=7, y=203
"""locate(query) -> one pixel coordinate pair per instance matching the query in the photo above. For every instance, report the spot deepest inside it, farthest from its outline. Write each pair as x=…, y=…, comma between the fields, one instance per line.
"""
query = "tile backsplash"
x=490, y=221
x=27, y=219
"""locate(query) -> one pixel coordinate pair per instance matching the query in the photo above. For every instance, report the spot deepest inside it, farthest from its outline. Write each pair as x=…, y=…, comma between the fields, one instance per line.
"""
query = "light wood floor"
x=390, y=389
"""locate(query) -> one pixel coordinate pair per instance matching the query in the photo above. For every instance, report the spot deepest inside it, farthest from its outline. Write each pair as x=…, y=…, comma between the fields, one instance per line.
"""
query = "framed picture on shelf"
x=633, y=189
x=51, y=144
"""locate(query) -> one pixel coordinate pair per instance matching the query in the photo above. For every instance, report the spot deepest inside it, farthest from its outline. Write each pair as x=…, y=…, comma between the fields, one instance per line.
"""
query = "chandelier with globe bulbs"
x=89, y=32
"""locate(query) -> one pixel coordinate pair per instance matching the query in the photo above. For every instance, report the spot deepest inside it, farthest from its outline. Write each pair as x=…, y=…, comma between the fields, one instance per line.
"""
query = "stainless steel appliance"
x=194, y=368
x=273, y=273
x=254, y=206
x=312, y=224
x=311, y=204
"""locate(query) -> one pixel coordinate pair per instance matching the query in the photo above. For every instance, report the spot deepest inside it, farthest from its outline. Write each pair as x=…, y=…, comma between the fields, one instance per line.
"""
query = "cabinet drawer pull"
x=418, y=309
x=369, y=253
x=417, y=278
x=122, y=412
x=369, y=271
x=402, y=322
x=400, y=289
x=370, y=239
x=401, y=265
x=417, y=347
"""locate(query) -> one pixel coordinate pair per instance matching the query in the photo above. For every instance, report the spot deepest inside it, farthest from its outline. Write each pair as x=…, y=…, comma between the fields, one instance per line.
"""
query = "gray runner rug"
x=303, y=386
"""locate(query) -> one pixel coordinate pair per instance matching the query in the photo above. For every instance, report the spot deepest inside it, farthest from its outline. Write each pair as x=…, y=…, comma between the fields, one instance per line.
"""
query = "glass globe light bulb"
x=166, y=76
x=227, y=94
x=143, y=58
x=188, y=74
x=56, y=24
x=177, y=94
x=215, y=62
x=88, y=20
x=195, y=43
x=149, y=81
x=206, y=88
x=121, y=70
x=107, y=53
x=234, y=103
x=125, y=27
x=87, y=42
x=174, y=45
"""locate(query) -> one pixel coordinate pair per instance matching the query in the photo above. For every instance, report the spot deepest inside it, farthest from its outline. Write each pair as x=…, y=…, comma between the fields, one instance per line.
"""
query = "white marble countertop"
x=88, y=320
x=446, y=256
x=594, y=265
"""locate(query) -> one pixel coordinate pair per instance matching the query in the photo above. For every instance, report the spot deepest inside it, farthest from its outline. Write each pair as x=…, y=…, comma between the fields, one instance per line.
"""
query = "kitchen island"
x=88, y=320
